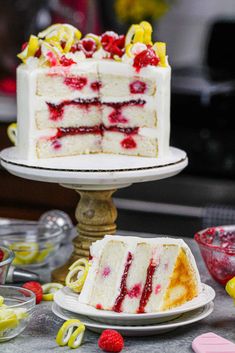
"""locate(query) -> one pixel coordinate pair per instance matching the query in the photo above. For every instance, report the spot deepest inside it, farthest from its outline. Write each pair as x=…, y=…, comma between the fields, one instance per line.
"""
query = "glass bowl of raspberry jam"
x=217, y=246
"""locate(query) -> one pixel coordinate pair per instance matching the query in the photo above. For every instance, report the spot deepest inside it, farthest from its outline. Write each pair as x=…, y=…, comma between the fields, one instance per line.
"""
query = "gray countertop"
x=40, y=335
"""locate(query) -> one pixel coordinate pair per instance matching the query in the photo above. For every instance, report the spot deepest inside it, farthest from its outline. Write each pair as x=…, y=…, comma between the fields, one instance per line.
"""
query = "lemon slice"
x=21, y=313
x=128, y=50
x=25, y=251
x=80, y=262
x=1, y=300
x=70, y=38
x=147, y=32
x=135, y=34
x=43, y=254
x=160, y=50
x=77, y=336
x=23, y=55
x=230, y=288
x=33, y=45
x=8, y=319
x=66, y=335
x=78, y=270
x=49, y=289
x=12, y=132
x=49, y=29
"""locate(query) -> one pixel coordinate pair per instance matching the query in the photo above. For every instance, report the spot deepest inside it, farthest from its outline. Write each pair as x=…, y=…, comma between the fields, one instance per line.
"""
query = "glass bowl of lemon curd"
x=16, y=307
x=32, y=244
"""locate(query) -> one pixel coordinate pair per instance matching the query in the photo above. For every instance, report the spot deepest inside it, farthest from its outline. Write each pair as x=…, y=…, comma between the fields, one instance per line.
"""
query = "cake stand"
x=95, y=177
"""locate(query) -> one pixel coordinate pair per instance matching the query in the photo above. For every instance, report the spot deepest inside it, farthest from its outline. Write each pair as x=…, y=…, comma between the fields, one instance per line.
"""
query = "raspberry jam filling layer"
x=148, y=287
x=96, y=130
x=57, y=110
x=123, y=288
x=119, y=105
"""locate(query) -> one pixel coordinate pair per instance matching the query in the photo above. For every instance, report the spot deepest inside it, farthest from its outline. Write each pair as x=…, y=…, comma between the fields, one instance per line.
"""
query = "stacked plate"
x=66, y=306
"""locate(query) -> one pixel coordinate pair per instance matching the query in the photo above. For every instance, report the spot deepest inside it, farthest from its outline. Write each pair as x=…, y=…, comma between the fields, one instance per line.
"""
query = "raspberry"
x=66, y=62
x=113, y=43
x=145, y=58
x=107, y=40
x=36, y=288
x=88, y=46
x=1, y=255
x=111, y=341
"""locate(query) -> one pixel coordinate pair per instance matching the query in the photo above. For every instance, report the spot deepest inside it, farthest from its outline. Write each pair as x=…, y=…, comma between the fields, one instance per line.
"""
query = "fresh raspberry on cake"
x=111, y=341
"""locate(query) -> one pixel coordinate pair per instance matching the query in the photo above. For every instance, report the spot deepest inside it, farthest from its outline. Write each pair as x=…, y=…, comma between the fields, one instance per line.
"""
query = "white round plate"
x=147, y=330
x=68, y=300
x=93, y=169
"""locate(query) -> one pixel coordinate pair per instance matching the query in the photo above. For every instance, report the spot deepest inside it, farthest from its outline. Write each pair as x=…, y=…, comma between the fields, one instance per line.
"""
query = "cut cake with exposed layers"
x=72, y=103
x=139, y=275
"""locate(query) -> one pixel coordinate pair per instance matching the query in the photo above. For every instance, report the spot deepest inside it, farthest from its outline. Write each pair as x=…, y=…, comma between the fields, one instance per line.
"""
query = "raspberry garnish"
x=66, y=62
x=113, y=43
x=111, y=341
x=88, y=46
x=145, y=58
x=36, y=288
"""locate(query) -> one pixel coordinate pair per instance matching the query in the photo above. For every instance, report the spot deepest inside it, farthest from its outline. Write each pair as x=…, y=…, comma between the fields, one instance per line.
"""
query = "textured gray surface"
x=40, y=335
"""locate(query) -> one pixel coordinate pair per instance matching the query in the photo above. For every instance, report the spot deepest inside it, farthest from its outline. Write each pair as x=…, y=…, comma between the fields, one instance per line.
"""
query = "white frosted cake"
x=138, y=275
x=108, y=93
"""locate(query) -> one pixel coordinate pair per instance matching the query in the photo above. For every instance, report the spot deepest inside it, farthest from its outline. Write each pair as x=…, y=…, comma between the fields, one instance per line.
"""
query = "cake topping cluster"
x=63, y=45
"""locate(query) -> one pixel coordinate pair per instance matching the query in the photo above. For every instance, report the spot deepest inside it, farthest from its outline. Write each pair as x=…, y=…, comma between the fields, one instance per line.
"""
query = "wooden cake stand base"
x=96, y=215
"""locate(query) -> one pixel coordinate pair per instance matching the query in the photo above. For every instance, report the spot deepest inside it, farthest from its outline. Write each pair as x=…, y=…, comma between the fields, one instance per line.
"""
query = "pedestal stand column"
x=96, y=215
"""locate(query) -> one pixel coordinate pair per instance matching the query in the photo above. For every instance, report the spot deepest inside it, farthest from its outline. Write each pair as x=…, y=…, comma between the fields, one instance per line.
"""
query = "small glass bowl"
x=15, y=316
x=217, y=246
x=6, y=258
x=33, y=244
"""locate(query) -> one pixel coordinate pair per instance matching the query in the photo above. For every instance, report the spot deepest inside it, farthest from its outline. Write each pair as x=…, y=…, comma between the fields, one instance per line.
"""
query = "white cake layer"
x=79, y=78
x=161, y=276
x=129, y=116
x=123, y=86
x=59, y=86
x=69, y=145
x=133, y=145
x=73, y=116
x=136, y=277
x=111, y=267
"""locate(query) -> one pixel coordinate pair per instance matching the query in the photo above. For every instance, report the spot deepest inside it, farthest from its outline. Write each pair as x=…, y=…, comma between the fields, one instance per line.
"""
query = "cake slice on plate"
x=138, y=275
